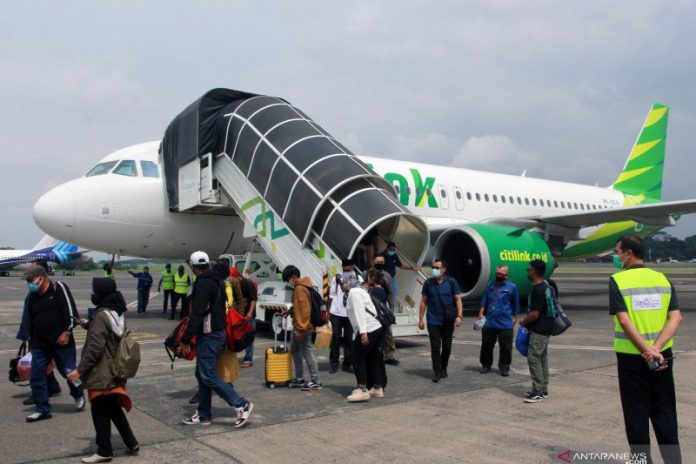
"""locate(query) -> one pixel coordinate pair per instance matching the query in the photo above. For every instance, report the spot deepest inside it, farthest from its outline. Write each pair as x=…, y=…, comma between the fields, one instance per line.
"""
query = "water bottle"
x=77, y=383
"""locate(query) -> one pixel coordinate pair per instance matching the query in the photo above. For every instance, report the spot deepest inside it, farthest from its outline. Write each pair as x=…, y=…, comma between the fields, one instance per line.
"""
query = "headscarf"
x=105, y=295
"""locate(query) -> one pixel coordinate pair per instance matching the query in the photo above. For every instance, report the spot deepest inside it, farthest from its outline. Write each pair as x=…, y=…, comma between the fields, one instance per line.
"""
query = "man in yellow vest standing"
x=182, y=281
x=646, y=317
x=166, y=284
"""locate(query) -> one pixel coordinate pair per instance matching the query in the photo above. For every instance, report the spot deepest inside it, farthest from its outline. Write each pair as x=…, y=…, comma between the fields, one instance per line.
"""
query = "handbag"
x=14, y=373
x=561, y=321
x=522, y=341
x=449, y=311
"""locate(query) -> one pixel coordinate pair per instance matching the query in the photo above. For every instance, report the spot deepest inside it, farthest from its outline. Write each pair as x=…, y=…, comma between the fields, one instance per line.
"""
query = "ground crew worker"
x=166, y=283
x=109, y=268
x=182, y=281
x=646, y=318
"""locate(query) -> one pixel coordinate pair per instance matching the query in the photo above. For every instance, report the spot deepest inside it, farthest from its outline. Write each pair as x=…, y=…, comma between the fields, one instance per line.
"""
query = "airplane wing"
x=658, y=214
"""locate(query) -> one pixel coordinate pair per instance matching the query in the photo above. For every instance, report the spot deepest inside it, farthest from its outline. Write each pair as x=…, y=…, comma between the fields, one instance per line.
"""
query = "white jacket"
x=360, y=319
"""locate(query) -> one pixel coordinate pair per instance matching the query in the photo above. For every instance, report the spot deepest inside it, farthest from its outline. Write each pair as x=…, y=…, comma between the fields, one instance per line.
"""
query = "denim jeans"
x=304, y=350
x=207, y=350
x=249, y=353
x=394, y=294
x=65, y=357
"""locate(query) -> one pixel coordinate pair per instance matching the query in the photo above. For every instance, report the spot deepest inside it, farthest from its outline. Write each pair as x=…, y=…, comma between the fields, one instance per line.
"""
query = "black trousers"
x=489, y=337
x=368, y=361
x=440, y=344
x=342, y=336
x=184, y=304
x=143, y=300
x=648, y=396
x=168, y=295
x=105, y=410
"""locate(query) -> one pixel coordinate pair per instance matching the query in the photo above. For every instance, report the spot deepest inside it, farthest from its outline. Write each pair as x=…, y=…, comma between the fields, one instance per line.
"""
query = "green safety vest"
x=647, y=294
x=167, y=280
x=109, y=276
x=181, y=283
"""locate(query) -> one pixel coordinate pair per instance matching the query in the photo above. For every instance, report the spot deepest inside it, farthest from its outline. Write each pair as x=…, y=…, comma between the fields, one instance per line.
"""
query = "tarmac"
x=467, y=418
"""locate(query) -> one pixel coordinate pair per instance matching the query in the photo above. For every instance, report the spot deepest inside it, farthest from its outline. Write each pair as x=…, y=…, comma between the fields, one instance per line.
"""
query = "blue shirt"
x=439, y=294
x=501, y=303
x=144, y=280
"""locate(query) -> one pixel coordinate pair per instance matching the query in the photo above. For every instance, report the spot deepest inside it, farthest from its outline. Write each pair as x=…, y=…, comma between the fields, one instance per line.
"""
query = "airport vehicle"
x=47, y=248
x=235, y=167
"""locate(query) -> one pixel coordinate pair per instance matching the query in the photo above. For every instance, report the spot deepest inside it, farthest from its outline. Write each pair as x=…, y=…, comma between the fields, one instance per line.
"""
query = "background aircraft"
x=48, y=248
x=475, y=219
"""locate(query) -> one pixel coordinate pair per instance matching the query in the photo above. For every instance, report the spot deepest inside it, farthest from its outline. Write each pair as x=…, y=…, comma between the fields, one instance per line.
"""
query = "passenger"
x=182, y=282
x=51, y=311
x=500, y=305
x=391, y=262
x=368, y=245
x=367, y=344
x=144, y=286
x=207, y=324
x=166, y=284
x=249, y=296
x=646, y=318
x=440, y=291
x=301, y=346
x=389, y=344
x=540, y=324
x=24, y=334
x=107, y=395
x=342, y=329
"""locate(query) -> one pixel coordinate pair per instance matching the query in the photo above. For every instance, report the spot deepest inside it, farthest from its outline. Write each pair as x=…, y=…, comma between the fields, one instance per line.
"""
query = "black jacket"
x=208, y=297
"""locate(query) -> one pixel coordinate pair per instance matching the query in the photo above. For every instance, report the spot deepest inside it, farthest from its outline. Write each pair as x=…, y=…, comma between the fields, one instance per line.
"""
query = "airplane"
x=48, y=248
x=476, y=219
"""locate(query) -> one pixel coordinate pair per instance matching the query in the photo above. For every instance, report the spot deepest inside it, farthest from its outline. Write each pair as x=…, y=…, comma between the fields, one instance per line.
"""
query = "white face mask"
x=436, y=273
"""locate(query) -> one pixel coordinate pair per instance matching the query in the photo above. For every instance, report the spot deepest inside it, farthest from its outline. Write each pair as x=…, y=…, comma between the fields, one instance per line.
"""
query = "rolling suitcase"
x=278, y=360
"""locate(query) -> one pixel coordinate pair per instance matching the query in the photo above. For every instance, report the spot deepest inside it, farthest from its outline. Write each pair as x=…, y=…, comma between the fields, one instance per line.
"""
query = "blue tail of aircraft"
x=64, y=252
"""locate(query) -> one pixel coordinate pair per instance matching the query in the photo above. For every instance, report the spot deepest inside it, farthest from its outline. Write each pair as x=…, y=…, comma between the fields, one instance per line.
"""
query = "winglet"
x=641, y=178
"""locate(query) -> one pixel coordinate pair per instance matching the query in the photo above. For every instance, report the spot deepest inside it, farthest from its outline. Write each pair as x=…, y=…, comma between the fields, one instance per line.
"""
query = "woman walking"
x=107, y=395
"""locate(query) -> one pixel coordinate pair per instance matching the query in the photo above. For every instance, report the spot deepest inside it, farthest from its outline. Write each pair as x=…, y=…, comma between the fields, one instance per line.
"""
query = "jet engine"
x=473, y=252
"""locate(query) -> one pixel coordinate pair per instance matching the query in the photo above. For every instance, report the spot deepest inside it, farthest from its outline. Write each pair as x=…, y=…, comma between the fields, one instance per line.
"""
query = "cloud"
x=494, y=152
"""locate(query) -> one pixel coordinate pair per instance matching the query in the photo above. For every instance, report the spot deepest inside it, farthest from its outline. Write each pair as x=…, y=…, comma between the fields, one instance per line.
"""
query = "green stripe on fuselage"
x=604, y=239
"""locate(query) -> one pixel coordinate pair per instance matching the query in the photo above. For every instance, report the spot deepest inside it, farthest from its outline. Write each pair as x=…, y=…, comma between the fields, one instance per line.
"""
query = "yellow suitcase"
x=278, y=362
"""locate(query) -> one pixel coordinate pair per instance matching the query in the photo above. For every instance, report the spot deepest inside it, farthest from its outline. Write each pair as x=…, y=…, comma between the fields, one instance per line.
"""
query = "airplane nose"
x=54, y=213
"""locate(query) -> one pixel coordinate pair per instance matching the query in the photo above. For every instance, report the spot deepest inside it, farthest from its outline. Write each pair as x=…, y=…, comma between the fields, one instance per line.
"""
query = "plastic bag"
x=227, y=366
x=522, y=341
x=324, y=335
x=24, y=367
x=479, y=323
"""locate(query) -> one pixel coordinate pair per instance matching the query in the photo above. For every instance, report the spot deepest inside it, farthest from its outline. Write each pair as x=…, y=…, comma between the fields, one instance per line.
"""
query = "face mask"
x=33, y=287
x=617, y=262
x=529, y=276
x=436, y=273
x=391, y=253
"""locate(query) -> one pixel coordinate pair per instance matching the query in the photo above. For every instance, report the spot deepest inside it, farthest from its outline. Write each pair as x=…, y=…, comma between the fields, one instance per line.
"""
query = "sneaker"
x=196, y=420
x=443, y=375
x=359, y=395
x=295, y=383
x=392, y=361
x=437, y=376
x=96, y=458
x=37, y=416
x=485, y=370
x=333, y=369
x=530, y=394
x=376, y=392
x=505, y=372
x=246, y=364
x=80, y=402
x=133, y=451
x=311, y=386
x=534, y=398
x=243, y=415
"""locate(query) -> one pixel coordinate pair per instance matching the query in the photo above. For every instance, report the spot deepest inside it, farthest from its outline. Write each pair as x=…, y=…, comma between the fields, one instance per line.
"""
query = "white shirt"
x=360, y=319
x=336, y=296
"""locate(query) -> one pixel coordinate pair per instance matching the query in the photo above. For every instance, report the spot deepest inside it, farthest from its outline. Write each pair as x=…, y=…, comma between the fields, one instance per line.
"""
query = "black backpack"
x=384, y=315
x=318, y=315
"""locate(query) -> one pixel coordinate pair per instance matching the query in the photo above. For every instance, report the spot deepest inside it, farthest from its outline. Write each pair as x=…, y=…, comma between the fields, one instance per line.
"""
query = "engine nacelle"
x=473, y=252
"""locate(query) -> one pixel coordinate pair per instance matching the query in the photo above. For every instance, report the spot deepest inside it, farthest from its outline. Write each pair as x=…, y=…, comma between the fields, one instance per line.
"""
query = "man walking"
x=301, y=346
x=540, y=324
x=207, y=324
x=646, y=318
x=500, y=305
x=340, y=324
x=166, y=284
x=144, y=286
x=391, y=262
x=51, y=311
x=439, y=293
x=182, y=281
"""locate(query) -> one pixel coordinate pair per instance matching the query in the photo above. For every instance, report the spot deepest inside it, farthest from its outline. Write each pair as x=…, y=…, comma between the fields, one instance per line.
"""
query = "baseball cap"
x=198, y=258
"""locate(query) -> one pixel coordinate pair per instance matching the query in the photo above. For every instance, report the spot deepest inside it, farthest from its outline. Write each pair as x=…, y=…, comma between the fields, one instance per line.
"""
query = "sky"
x=560, y=89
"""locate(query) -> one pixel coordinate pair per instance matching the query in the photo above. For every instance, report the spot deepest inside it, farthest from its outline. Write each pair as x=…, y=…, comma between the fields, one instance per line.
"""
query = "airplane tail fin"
x=46, y=242
x=641, y=178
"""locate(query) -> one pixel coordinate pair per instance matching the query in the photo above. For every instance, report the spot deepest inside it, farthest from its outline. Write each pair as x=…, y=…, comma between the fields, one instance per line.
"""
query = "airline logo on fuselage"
x=522, y=256
x=265, y=218
x=418, y=193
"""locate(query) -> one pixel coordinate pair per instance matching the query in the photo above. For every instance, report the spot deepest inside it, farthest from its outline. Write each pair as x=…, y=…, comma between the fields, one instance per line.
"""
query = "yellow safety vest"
x=229, y=294
x=167, y=280
x=647, y=294
x=181, y=283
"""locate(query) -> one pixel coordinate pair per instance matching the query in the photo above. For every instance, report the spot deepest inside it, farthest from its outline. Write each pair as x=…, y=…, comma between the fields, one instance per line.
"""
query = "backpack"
x=173, y=340
x=126, y=360
x=239, y=331
x=384, y=315
x=318, y=315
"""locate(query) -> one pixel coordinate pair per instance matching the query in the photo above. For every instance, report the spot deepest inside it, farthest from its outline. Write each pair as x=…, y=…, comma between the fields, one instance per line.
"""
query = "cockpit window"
x=126, y=168
x=101, y=169
x=149, y=169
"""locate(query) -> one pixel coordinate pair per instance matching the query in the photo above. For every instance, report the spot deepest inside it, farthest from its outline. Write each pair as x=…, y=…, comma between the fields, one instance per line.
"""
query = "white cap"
x=198, y=258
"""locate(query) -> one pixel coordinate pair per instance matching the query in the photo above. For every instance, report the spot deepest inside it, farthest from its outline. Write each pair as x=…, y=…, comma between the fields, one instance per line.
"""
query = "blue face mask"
x=617, y=262
x=436, y=273
x=33, y=287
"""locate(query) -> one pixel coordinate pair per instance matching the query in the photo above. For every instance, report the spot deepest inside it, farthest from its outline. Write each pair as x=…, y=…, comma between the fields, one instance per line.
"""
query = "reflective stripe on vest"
x=647, y=294
x=181, y=284
x=167, y=280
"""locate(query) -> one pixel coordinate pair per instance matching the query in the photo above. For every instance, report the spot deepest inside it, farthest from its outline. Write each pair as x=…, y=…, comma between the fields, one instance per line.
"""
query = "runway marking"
x=560, y=347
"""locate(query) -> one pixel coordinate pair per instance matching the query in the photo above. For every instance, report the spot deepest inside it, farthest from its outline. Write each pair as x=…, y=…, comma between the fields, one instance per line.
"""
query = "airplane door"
x=444, y=197
x=458, y=198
